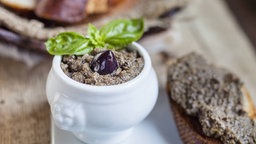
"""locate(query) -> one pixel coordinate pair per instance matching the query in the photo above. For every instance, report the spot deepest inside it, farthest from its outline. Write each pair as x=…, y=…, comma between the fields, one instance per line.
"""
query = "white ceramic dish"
x=157, y=128
x=101, y=114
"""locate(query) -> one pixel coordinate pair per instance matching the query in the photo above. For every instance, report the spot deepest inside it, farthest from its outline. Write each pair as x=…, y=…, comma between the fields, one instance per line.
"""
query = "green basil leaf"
x=115, y=35
x=94, y=36
x=83, y=47
x=68, y=43
x=121, y=32
x=91, y=30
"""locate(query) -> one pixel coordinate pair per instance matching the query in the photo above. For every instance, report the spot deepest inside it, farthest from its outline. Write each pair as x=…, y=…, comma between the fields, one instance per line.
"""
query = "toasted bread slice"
x=97, y=6
x=20, y=4
x=189, y=127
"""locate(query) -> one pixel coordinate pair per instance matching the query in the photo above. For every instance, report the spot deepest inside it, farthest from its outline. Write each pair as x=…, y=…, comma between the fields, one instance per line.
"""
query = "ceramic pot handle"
x=67, y=113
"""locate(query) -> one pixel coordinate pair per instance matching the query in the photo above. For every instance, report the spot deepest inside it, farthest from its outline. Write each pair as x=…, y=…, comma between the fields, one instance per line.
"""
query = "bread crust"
x=248, y=102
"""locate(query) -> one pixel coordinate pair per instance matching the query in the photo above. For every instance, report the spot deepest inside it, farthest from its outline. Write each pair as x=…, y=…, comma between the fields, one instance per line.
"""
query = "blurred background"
x=245, y=14
x=223, y=31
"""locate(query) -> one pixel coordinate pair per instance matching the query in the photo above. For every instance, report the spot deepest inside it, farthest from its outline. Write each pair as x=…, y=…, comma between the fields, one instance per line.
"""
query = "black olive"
x=104, y=63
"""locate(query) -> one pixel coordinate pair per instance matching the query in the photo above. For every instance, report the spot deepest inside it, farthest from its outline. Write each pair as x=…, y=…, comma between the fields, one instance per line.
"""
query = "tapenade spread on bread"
x=210, y=103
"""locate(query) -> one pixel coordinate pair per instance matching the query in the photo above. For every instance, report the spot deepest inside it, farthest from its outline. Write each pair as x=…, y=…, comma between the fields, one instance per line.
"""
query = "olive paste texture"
x=214, y=96
x=130, y=64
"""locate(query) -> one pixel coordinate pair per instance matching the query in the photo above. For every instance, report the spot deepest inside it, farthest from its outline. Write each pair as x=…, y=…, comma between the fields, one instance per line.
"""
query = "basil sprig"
x=115, y=35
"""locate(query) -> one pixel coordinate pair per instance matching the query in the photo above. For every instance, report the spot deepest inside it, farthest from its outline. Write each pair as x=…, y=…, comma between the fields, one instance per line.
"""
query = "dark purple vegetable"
x=104, y=63
x=65, y=11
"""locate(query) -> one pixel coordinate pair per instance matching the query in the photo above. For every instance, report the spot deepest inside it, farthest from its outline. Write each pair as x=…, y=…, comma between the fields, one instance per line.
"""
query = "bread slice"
x=189, y=127
x=20, y=4
x=97, y=6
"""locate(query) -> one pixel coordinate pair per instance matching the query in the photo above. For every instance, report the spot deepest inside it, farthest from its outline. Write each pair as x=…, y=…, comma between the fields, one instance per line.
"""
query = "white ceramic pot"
x=101, y=114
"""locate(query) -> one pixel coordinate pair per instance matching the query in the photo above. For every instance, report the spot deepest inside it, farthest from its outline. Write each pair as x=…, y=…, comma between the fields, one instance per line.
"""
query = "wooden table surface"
x=206, y=27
